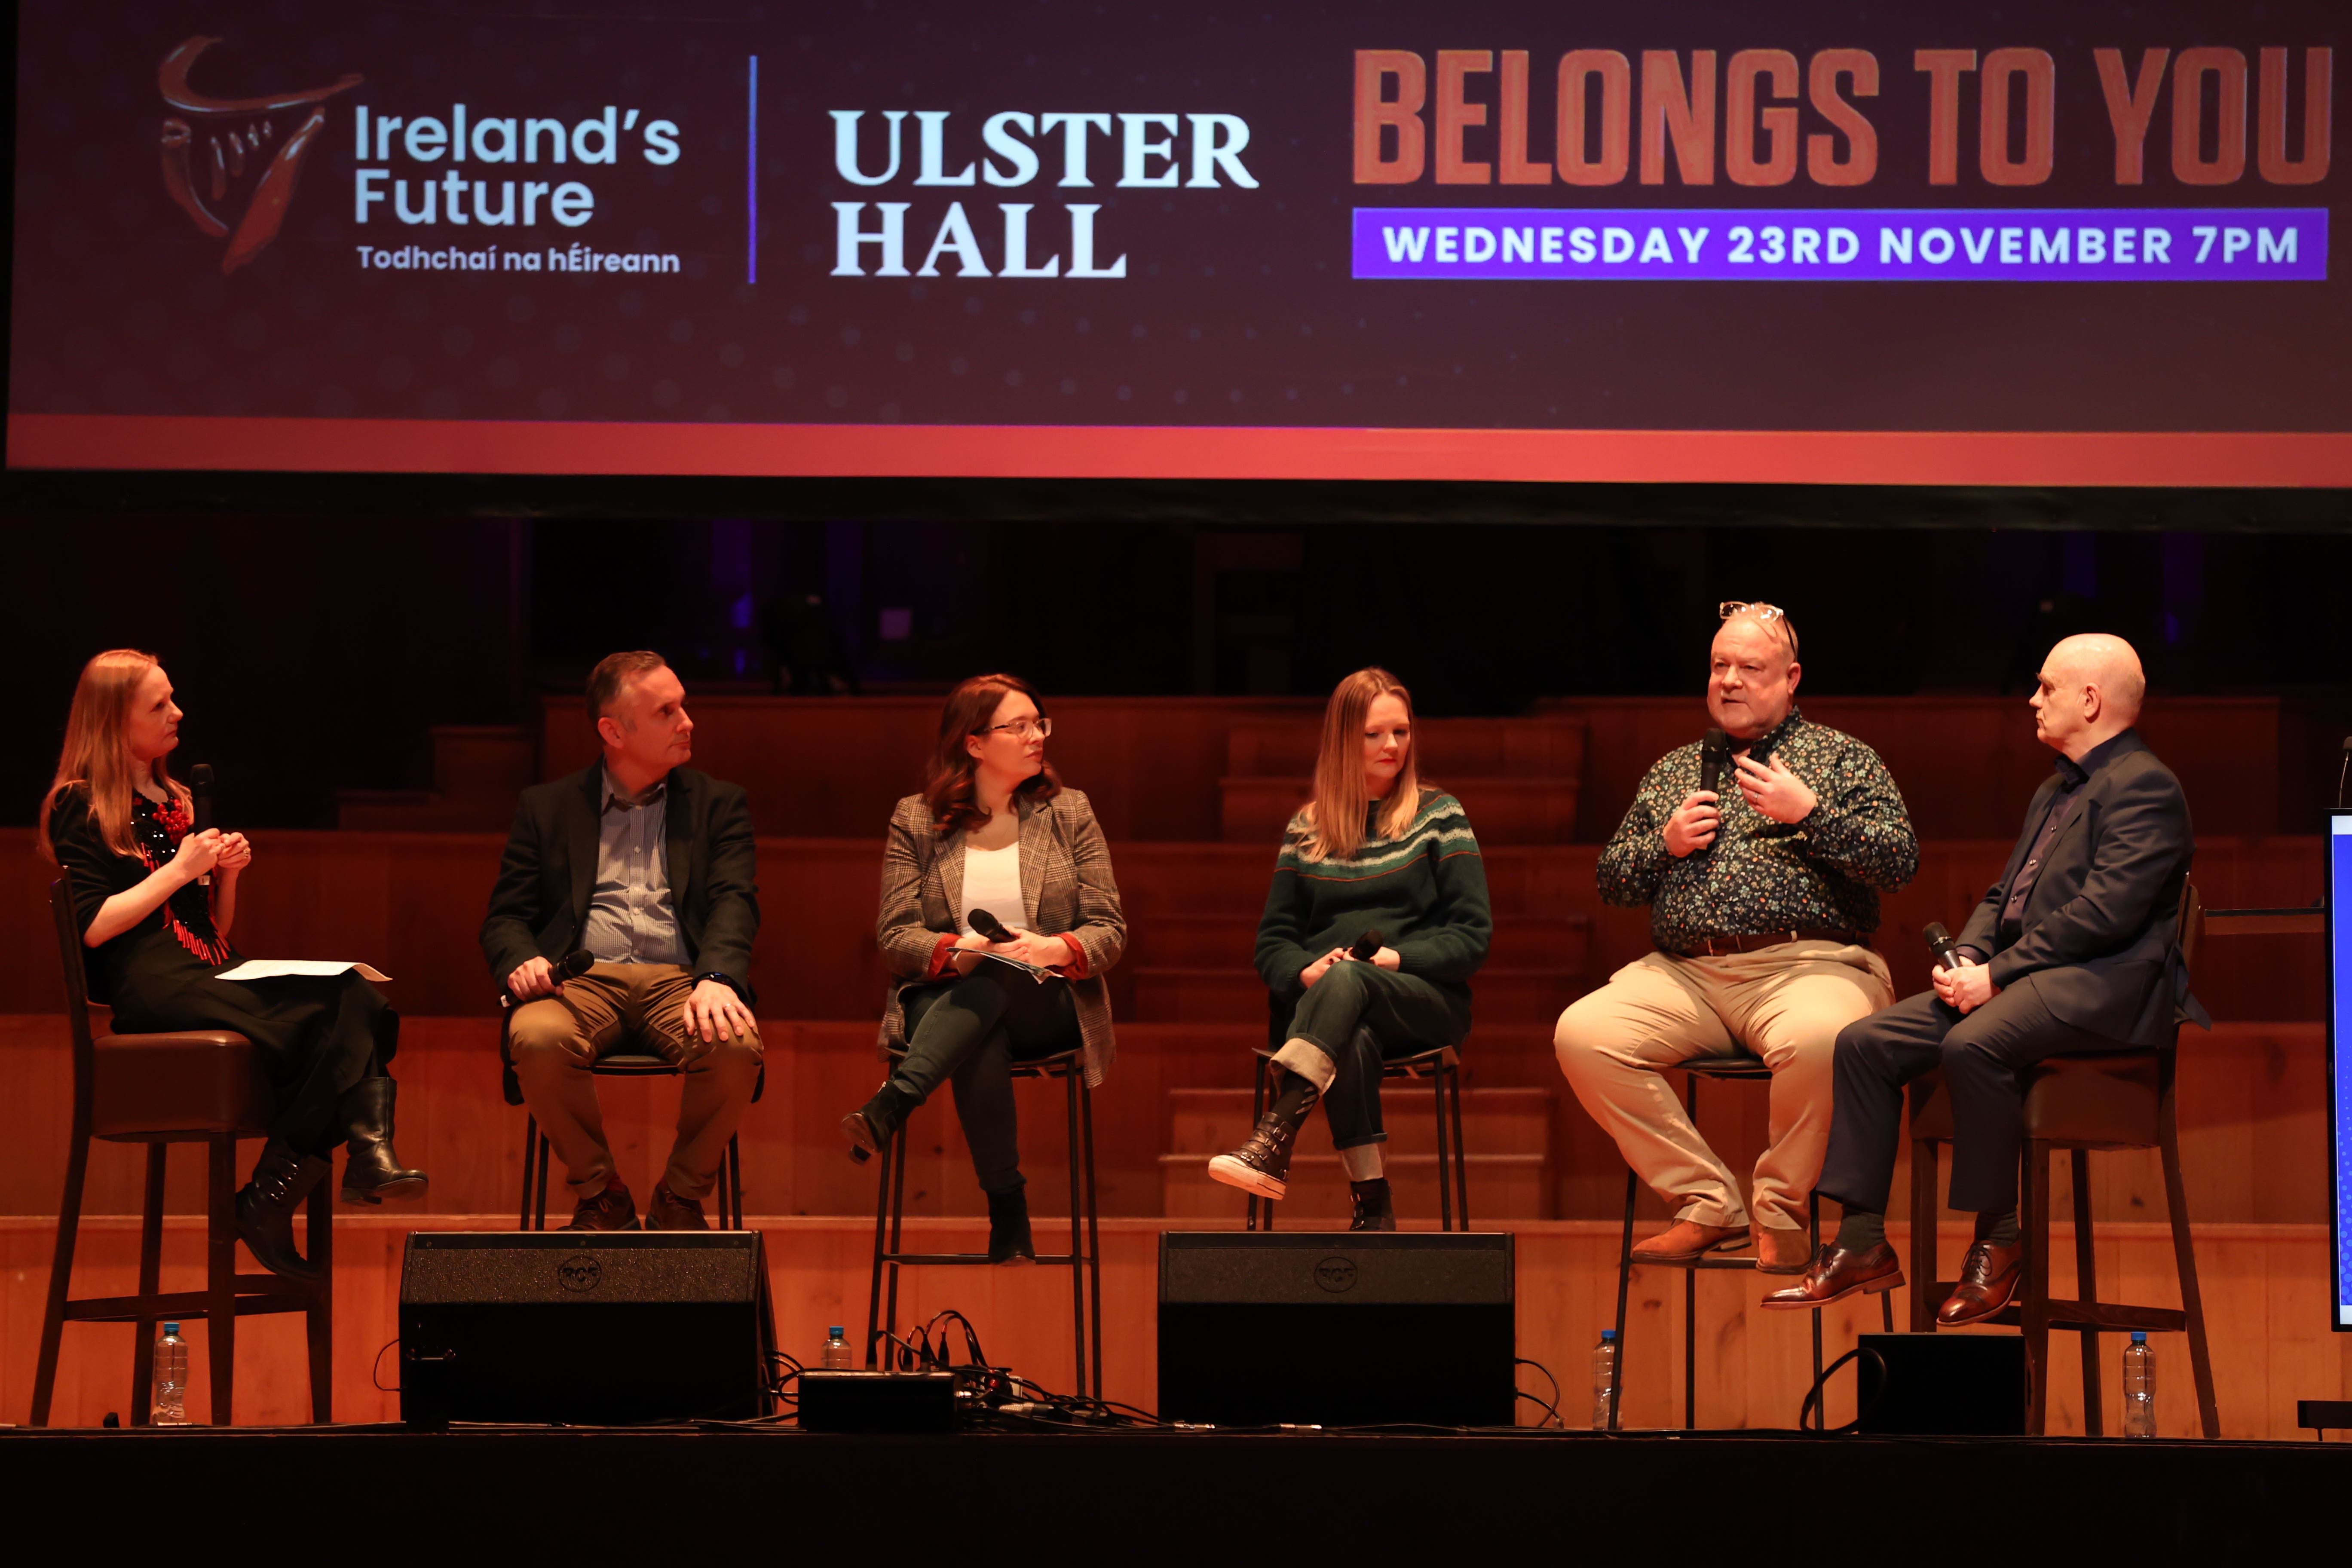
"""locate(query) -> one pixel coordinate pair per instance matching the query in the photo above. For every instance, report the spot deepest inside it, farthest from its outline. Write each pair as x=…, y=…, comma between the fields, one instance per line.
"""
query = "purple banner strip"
x=2084, y=245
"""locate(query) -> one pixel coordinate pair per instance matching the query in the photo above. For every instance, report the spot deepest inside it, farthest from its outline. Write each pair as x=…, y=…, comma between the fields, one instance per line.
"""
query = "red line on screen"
x=109, y=441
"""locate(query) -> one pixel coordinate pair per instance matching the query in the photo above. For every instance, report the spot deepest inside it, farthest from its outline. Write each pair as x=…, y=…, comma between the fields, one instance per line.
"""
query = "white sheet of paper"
x=282, y=968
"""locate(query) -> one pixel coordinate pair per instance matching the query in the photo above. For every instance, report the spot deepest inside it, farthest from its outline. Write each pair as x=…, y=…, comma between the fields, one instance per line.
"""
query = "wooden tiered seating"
x=1516, y=778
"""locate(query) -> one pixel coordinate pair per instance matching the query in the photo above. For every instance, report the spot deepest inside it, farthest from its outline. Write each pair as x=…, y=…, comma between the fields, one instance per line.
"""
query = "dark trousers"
x=1360, y=1015
x=1981, y=1056
x=969, y=1032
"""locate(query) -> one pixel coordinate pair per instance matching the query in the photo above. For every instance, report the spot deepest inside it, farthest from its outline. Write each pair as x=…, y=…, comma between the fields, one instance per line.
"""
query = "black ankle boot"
x=1262, y=1165
x=1372, y=1210
x=872, y=1125
x=373, y=1172
x=266, y=1206
x=1008, y=1228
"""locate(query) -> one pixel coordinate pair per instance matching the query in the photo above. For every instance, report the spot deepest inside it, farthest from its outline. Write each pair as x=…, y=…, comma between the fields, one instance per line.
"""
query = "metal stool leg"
x=898, y=1229
x=881, y=1219
x=1813, y=1233
x=735, y=1180
x=1093, y=1228
x=1625, y=1277
x=1077, y=1272
x=1461, y=1156
x=1690, y=1297
x=530, y=1163
x=1444, y=1191
x=1261, y=1210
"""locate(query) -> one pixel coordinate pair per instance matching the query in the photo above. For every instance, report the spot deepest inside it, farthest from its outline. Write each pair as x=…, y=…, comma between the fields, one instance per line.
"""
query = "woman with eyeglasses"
x=1378, y=853
x=999, y=916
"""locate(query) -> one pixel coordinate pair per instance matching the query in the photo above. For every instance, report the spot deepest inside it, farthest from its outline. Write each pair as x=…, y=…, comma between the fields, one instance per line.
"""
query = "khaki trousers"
x=1784, y=1003
x=618, y=1007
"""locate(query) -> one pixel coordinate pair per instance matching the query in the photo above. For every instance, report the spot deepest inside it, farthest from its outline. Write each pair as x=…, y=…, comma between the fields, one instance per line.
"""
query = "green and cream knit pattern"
x=1425, y=890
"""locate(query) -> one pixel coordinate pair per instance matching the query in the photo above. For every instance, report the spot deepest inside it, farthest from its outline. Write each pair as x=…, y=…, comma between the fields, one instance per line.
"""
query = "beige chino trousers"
x=1783, y=1004
x=616, y=1008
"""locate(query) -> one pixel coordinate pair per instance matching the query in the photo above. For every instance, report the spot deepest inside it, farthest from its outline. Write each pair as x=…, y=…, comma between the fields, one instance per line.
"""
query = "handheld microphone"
x=1939, y=943
x=574, y=964
x=200, y=789
x=989, y=926
x=1714, y=756
x=1365, y=946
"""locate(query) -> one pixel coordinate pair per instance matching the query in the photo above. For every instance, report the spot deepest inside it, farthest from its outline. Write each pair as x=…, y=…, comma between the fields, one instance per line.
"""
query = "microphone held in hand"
x=200, y=789
x=574, y=964
x=988, y=925
x=1714, y=757
x=1939, y=943
x=1365, y=947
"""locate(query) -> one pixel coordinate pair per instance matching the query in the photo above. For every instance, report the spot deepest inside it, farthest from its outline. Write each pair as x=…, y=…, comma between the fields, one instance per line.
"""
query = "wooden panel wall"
x=831, y=767
x=2265, y=1290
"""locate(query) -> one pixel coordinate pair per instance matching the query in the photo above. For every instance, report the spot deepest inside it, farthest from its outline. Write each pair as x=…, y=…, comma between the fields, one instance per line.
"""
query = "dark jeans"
x=1980, y=1055
x=1361, y=1015
x=969, y=1032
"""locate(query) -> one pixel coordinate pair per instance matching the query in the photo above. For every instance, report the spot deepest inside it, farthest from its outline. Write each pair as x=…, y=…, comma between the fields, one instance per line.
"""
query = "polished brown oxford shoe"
x=1836, y=1274
x=1686, y=1239
x=1987, y=1279
x=669, y=1212
x=612, y=1209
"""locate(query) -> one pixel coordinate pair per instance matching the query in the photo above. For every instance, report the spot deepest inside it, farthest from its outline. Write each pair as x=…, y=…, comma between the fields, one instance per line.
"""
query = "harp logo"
x=221, y=154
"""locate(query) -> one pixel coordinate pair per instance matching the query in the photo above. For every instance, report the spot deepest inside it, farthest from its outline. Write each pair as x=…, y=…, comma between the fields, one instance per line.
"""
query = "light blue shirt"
x=631, y=916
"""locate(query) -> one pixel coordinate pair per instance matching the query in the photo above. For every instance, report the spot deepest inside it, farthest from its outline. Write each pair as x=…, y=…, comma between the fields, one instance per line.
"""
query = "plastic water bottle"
x=837, y=1351
x=2139, y=1387
x=1604, y=1378
x=170, y=1405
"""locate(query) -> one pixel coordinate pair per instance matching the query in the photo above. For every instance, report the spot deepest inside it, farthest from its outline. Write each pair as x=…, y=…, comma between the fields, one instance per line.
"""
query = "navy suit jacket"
x=2099, y=941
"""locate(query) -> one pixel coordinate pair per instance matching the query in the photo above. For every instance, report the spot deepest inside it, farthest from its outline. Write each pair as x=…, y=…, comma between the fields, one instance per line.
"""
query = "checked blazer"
x=1066, y=888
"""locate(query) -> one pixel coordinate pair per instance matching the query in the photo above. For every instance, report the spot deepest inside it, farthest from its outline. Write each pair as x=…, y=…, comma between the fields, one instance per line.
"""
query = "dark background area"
x=313, y=652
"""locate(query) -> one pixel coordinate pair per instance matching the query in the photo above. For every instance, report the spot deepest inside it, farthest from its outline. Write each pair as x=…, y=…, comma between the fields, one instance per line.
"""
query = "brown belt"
x=1721, y=946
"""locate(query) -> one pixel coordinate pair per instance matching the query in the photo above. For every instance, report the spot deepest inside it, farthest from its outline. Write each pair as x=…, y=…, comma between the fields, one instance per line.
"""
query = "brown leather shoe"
x=670, y=1211
x=612, y=1209
x=1987, y=1279
x=1836, y=1274
x=1780, y=1251
x=1686, y=1239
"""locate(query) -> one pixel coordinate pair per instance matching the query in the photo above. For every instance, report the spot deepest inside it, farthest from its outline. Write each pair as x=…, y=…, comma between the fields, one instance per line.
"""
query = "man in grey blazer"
x=2074, y=949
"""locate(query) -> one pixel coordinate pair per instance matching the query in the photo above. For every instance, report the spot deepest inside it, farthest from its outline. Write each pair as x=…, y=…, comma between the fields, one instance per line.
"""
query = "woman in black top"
x=156, y=938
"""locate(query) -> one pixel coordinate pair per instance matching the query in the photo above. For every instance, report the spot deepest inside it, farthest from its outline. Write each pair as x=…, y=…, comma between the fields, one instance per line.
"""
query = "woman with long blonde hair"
x=155, y=901
x=1379, y=855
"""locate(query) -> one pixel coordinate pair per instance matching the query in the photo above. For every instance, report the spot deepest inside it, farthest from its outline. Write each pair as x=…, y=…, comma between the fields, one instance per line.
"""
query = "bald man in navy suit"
x=2075, y=950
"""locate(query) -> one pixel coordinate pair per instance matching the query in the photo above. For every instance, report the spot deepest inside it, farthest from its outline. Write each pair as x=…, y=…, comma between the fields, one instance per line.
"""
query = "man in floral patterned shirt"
x=1762, y=900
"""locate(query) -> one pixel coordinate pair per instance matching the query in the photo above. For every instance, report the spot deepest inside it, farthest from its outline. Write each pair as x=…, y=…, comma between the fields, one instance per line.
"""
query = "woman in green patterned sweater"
x=1374, y=854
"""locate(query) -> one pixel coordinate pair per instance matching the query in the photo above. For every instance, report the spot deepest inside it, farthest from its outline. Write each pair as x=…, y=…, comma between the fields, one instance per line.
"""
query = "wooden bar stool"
x=199, y=1087
x=2111, y=1101
x=535, y=1150
x=1084, y=1260
x=1739, y=1069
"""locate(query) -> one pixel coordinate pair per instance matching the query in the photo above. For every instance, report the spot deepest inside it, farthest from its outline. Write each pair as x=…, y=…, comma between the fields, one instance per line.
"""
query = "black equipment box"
x=585, y=1328
x=877, y=1400
x=1941, y=1385
x=1336, y=1329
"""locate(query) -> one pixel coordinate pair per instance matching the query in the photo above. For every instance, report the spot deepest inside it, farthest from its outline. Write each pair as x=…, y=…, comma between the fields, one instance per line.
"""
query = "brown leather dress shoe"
x=612, y=1209
x=669, y=1212
x=1987, y=1279
x=1780, y=1251
x=1836, y=1274
x=1686, y=1239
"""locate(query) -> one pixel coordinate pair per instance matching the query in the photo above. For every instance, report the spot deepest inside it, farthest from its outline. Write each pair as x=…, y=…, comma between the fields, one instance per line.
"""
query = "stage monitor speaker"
x=1941, y=1385
x=585, y=1328
x=1345, y=1329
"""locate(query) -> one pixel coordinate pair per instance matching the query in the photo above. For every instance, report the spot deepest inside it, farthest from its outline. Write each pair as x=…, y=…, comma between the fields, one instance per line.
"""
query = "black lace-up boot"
x=1372, y=1210
x=1262, y=1165
x=1008, y=1228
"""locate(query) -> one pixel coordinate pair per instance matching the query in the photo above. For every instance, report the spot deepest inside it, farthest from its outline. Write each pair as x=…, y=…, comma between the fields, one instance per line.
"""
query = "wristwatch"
x=724, y=979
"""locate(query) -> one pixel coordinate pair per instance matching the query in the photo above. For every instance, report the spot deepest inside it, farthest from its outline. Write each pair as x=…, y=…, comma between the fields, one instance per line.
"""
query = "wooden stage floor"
x=2265, y=1288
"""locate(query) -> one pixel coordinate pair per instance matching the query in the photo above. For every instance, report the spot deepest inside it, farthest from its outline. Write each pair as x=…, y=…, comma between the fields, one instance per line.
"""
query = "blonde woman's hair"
x=95, y=754
x=1334, y=818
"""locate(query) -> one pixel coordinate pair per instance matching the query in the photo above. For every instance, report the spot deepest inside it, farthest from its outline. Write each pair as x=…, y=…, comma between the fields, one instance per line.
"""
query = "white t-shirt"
x=992, y=881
